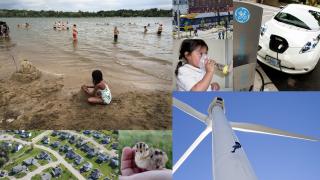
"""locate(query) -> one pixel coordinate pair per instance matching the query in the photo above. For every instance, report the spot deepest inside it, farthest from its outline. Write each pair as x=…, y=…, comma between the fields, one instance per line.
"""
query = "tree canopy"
x=154, y=12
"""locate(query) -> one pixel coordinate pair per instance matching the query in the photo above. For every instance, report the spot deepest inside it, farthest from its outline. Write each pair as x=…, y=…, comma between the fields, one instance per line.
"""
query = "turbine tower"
x=229, y=160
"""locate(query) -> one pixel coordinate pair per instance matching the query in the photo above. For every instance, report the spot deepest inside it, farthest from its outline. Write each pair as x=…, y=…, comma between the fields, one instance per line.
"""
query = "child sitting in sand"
x=192, y=71
x=100, y=93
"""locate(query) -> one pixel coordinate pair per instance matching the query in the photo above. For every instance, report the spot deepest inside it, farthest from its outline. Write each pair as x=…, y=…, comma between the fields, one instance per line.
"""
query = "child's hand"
x=209, y=65
x=215, y=86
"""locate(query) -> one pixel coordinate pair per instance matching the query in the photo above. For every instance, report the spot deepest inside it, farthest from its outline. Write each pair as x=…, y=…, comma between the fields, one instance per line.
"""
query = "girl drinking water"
x=193, y=72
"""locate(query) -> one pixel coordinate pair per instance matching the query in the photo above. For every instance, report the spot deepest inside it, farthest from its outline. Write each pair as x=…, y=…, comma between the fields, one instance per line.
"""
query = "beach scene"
x=43, y=66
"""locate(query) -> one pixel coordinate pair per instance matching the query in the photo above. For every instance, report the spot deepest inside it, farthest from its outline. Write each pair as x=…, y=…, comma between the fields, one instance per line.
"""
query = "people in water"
x=145, y=29
x=4, y=30
x=115, y=34
x=75, y=32
x=60, y=25
x=159, y=30
x=99, y=92
x=27, y=25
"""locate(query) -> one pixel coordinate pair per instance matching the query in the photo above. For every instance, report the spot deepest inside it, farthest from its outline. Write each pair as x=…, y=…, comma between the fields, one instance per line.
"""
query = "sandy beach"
x=140, y=84
x=44, y=102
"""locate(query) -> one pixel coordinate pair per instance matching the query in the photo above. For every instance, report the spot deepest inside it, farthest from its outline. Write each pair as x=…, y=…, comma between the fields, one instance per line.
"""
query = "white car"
x=289, y=42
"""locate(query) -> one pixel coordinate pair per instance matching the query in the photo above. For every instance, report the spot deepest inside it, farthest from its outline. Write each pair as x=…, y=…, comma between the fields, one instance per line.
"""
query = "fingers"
x=128, y=166
x=126, y=161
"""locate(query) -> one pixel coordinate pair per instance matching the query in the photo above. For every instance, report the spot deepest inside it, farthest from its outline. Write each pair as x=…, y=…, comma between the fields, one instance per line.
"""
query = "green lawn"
x=19, y=157
x=156, y=139
x=65, y=175
x=104, y=168
x=20, y=175
x=33, y=134
x=36, y=177
x=5, y=178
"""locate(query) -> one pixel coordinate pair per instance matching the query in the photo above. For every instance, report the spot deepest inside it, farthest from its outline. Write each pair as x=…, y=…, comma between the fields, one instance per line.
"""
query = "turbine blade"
x=191, y=148
x=189, y=110
x=255, y=128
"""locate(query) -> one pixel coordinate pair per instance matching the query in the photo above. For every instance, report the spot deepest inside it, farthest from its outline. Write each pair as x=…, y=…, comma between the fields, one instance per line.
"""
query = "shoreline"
x=50, y=103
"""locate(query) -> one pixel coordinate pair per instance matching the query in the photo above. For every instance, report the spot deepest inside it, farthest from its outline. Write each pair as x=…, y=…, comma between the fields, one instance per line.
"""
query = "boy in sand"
x=75, y=32
x=101, y=93
x=115, y=34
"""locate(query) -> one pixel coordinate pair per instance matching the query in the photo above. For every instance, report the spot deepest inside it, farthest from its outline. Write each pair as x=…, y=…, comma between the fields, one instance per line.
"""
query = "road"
x=287, y=82
x=95, y=143
x=40, y=136
x=60, y=159
x=40, y=169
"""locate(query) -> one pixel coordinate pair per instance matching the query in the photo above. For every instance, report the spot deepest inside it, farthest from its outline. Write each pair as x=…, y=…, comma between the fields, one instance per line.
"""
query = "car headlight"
x=263, y=29
x=310, y=45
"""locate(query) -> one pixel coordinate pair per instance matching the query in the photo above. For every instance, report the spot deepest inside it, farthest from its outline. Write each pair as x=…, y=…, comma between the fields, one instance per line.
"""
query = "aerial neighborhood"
x=46, y=155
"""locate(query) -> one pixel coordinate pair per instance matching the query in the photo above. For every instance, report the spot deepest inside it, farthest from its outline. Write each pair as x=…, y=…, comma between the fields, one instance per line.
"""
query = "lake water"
x=149, y=54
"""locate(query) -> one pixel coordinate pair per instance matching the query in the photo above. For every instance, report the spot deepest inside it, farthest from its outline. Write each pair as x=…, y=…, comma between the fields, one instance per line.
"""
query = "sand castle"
x=27, y=72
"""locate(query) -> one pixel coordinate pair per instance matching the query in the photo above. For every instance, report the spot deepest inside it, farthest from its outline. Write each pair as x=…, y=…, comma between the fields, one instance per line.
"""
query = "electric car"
x=289, y=42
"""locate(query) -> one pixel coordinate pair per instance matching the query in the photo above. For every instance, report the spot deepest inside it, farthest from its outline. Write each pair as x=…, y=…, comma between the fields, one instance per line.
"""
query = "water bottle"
x=220, y=67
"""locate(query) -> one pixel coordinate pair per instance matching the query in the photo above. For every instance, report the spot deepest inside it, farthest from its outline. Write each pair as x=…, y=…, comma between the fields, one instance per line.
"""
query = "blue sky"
x=272, y=158
x=84, y=5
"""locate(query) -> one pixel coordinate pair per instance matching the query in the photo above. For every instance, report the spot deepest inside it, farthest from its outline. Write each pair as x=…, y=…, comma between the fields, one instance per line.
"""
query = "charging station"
x=246, y=22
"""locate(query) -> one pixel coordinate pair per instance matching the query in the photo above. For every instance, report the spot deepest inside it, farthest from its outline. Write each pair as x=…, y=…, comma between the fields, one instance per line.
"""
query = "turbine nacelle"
x=238, y=126
x=217, y=101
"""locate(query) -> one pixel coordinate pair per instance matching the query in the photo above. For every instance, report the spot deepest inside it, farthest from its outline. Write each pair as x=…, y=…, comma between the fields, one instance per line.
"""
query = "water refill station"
x=247, y=22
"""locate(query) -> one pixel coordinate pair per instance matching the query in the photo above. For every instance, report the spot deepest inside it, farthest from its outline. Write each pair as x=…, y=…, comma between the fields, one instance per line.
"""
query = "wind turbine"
x=229, y=159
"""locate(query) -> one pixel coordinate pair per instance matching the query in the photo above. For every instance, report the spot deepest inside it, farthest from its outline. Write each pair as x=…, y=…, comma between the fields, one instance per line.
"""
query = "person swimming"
x=115, y=34
x=159, y=29
x=145, y=29
x=75, y=32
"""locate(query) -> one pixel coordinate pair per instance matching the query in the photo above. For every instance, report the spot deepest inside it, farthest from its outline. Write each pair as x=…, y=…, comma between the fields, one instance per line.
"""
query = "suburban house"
x=30, y=161
x=95, y=174
x=45, y=140
x=86, y=167
x=18, y=169
x=56, y=172
x=17, y=148
x=55, y=144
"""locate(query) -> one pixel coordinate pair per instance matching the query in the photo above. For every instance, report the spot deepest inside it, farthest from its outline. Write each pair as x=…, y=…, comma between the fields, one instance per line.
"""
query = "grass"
x=19, y=157
x=66, y=174
x=22, y=155
x=36, y=177
x=156, y=139
x=104, y=168
x=33, y=134
x=20, y=175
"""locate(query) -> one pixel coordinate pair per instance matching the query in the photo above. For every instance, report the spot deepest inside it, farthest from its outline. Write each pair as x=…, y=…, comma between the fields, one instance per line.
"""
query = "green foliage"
x=154, y=12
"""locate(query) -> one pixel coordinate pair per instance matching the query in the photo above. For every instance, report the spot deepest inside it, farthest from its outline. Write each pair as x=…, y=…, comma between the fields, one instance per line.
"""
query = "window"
x=290, y=19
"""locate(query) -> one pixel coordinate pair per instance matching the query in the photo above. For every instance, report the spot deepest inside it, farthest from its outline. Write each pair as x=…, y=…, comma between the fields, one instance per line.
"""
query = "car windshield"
x=316, y=16
x=290, y=19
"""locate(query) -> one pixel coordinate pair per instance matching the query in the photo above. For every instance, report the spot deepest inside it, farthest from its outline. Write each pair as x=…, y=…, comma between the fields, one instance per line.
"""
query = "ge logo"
x=242, y=15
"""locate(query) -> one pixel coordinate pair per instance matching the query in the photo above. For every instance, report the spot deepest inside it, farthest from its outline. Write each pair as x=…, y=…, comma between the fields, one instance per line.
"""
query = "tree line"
x=154, y=12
